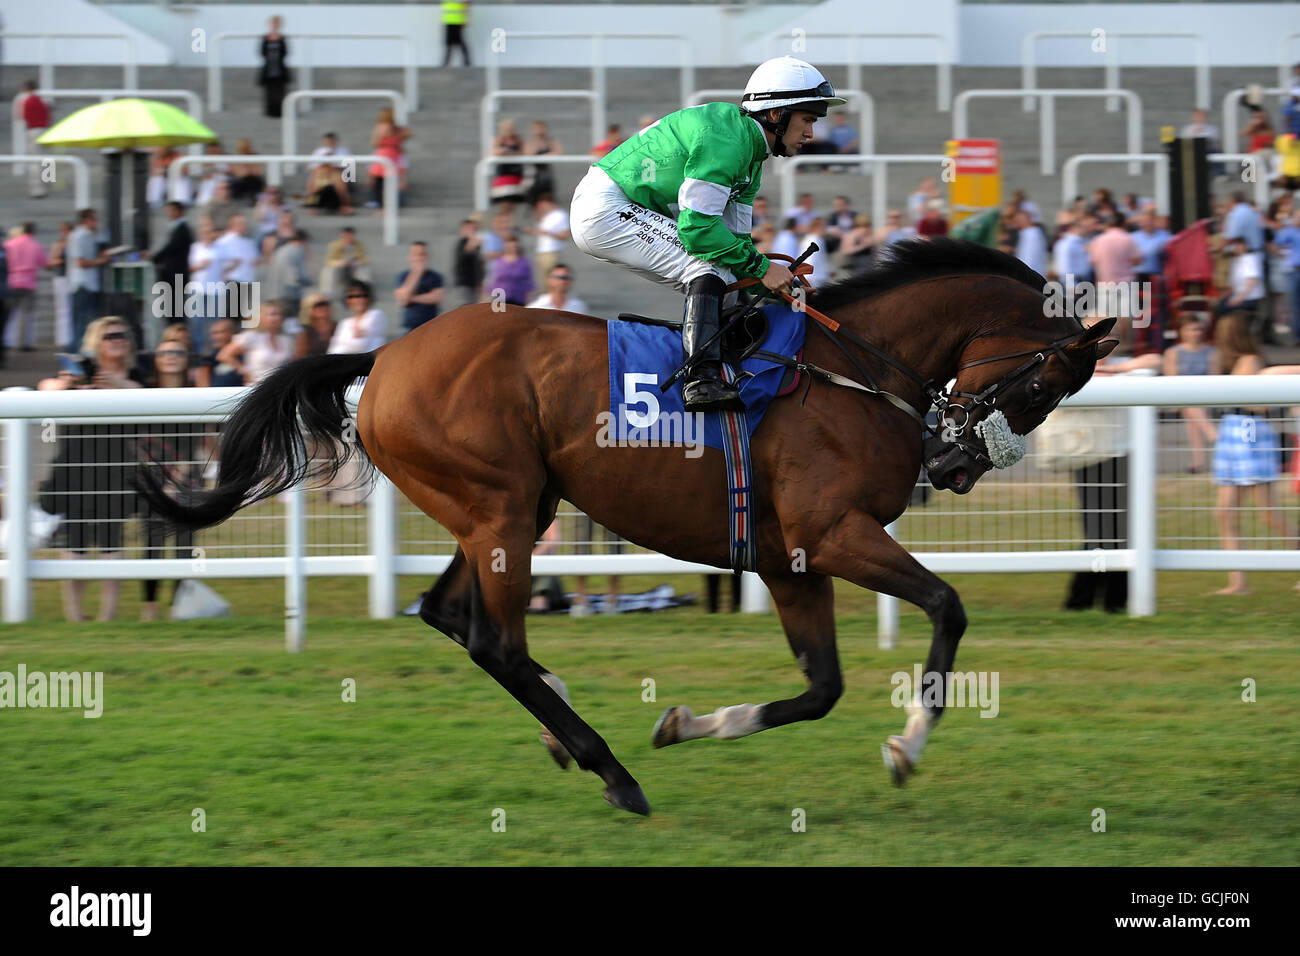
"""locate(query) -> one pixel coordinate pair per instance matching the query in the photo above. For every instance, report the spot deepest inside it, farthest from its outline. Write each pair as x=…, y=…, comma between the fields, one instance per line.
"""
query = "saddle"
x=738, y=343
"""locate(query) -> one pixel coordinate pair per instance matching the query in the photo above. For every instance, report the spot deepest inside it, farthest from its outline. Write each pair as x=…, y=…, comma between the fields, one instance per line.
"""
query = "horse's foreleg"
x=858, y=549
x=806, y=605
x=496, y=642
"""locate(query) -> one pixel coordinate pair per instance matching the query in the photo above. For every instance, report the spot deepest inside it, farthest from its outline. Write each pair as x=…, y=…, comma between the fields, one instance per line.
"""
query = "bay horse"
x=487, y=416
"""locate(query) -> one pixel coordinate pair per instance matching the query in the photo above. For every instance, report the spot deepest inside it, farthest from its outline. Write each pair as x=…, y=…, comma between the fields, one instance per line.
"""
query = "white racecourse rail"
x=23, y=412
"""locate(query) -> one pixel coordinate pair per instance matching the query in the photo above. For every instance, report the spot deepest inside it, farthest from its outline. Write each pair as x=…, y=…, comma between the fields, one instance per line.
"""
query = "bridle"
x=989, y=395
x=938, y=396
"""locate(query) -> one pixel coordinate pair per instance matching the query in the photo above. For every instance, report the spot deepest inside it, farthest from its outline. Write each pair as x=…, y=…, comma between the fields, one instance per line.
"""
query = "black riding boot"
x=705, y=391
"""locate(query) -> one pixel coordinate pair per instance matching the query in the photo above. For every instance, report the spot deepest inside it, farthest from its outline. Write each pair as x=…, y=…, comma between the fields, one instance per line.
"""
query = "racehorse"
x=486, y=417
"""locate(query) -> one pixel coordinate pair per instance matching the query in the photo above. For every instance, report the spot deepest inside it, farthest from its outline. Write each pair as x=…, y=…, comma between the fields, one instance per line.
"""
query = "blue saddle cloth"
x=642, y=356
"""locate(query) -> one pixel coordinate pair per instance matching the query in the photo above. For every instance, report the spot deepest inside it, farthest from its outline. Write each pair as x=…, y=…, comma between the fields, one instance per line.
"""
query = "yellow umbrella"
x=128, y=124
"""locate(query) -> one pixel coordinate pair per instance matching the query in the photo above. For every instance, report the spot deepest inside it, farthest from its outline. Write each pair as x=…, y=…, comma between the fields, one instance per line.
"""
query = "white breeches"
x=608, y=226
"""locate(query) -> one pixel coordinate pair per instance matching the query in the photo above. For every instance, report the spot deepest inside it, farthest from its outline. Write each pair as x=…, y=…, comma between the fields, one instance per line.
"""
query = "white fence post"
x=381, y=517
x=887, y=609
x=18, y=468
x=753, y=594
x=295, y=578
x=1142, y=488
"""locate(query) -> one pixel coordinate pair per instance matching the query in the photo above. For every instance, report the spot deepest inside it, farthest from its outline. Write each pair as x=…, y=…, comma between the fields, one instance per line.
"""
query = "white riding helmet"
x=788, y=81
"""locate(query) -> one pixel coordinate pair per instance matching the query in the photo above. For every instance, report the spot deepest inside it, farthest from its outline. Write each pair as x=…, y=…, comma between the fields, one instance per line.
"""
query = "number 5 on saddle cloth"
x=643, y=353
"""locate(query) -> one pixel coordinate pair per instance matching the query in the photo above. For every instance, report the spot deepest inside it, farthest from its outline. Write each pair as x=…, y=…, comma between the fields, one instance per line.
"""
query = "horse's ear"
x=1095, y=333
x=1105, y=348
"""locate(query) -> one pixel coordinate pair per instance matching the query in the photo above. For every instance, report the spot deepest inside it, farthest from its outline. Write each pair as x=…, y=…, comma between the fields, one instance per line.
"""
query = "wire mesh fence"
x=1224, y=477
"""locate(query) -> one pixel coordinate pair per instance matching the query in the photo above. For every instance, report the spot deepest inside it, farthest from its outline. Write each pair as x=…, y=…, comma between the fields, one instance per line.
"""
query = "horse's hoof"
x=668, y=729
x=628, y=796
x=896, y=761
x=556, y=749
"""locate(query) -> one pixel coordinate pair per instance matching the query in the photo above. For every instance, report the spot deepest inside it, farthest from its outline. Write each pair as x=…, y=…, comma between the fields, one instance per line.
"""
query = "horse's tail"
x=263, y=449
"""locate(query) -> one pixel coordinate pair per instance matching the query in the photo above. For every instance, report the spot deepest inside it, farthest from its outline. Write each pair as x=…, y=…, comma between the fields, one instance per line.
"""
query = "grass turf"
x=1143, y=719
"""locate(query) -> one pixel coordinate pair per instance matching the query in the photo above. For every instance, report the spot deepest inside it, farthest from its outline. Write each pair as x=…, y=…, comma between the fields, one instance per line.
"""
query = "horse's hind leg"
x=806, y=605
x=448, y=607
x=500, y=583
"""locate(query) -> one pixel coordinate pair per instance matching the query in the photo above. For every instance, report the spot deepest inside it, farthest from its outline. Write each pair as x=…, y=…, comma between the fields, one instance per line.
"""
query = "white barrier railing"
x=21, y=409
x=860, y=101
x=80, y=182
x=1070, y=175
x=304, y=64
x=1143, y=396
x=1110, y=49
x=289, y=112
x=273, y=178
x=1047, y=119
x=498, y=43
x=46, y=75
x=943, y=65
x=483, y=170
x=879, y=176
x=487, y=112
x=1231, y=104
x=18, y=129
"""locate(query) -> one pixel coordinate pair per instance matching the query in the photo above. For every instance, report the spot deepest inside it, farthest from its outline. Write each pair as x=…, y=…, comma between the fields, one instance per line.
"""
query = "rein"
x=939, y=397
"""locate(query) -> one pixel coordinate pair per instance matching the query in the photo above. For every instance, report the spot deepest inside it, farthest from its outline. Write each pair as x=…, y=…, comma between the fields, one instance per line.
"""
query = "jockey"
x=675, y=203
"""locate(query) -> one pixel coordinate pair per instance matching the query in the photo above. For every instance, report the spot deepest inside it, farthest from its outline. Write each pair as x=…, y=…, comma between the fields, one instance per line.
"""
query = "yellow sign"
x=973, y=172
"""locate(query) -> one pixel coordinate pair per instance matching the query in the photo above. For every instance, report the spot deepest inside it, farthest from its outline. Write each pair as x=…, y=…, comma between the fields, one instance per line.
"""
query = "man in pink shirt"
x=1115, y=257
x=26, y=258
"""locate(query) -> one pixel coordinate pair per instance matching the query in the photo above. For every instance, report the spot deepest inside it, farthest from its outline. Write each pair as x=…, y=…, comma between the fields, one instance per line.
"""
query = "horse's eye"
x=1036, y=392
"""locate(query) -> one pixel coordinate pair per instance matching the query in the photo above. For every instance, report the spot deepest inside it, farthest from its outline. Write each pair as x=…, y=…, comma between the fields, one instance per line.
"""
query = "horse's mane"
x=915, y=259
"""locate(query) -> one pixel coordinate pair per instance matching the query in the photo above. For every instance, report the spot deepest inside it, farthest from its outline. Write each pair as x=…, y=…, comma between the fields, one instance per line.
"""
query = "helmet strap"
x=778, y=129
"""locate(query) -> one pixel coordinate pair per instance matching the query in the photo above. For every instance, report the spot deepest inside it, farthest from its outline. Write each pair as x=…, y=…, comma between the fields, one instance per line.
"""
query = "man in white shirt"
x=1198, y=128
x=803, y=213
x=238, y=254
x=819, y=260
x=238, y=259
x=552, y=232
x=1245, y=282
x=1031, y=245
x=559, y=286
x=329, y=146
x=205, y=273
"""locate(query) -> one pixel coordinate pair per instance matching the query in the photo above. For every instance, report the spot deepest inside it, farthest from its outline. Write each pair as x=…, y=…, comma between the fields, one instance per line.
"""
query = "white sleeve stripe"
x=738, y=217
x=706, y=198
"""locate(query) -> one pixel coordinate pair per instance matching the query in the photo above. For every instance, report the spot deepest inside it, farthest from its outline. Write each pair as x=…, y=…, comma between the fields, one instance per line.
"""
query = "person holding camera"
x=90, y=484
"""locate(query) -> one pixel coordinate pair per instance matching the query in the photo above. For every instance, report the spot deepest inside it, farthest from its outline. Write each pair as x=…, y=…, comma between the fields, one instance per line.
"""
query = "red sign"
x=976, y=157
